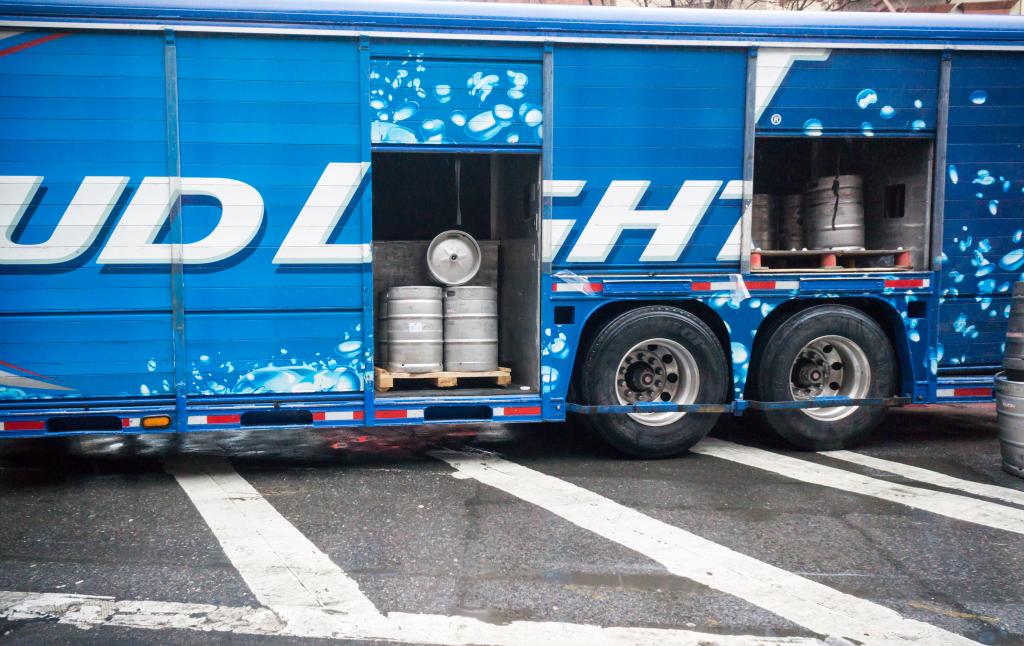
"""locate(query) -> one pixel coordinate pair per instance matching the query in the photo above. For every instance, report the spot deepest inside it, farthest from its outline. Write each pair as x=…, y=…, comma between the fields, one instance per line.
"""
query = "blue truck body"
x=263, y=121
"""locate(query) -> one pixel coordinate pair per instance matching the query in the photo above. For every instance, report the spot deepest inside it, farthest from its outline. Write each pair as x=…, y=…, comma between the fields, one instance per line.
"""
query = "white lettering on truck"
x=133, y=239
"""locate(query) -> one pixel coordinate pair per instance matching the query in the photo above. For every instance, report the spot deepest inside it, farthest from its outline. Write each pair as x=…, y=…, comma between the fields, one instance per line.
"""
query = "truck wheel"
x=654, y=354
x=826, y=351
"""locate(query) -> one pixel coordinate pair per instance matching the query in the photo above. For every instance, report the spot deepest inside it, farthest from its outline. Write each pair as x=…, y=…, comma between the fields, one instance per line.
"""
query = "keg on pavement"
x=833, y=213
x=791, y=235
x=470, y=329
x=415, y=330
x=764, y=221
x=1010, y=415
x=453, y=258
x=1013, y=355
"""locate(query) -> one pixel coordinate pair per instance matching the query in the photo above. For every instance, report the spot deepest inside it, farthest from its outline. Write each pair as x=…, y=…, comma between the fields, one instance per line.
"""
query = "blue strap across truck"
x=737, y=407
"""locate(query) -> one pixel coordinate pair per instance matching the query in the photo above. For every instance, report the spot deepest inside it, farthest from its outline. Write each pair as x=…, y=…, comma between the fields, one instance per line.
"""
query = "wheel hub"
x=639, y=377
x=830, y=366
x=657, y=370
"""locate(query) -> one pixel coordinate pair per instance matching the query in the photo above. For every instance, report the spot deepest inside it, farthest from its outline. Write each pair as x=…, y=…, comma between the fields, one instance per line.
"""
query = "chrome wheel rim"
x=830, y=366
x=657, y=370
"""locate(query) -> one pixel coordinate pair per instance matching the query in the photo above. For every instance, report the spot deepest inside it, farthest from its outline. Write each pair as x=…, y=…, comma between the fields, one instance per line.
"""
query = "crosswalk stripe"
x=312, y=597
x=814, y=606
x=930, y=477
x=87, y=611
x=971, y=510
x=281, y=566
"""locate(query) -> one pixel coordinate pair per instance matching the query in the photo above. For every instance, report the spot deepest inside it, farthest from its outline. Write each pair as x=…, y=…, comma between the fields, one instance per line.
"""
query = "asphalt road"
x=523, y=535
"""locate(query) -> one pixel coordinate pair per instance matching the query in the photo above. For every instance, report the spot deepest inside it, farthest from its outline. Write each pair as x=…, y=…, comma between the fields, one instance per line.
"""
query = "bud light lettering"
x=75, y=232
x=133, y=239
x=617, y=212
x=306, y=242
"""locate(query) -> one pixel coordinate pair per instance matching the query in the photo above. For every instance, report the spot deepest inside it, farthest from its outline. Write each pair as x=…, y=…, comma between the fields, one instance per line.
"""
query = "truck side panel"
x=272, y=113
x=71, y=106
x=645, y=121
x=984, y=208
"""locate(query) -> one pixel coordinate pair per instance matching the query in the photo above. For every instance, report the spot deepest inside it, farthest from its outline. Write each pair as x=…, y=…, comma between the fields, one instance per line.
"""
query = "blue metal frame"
x=540, y=21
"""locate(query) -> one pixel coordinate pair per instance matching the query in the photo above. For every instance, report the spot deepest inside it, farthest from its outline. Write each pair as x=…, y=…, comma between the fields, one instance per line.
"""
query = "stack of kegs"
x=764, y=221
x=833, y=213
x=424, y=328
x=1010, y=389
x=791, y=235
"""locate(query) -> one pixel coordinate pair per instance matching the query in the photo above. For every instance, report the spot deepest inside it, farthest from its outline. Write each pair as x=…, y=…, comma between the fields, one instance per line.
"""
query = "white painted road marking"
x=817, y=607
x=308, y=595
x=86, y=611
x=281, y=566
x=927, y=476
x=950, y=505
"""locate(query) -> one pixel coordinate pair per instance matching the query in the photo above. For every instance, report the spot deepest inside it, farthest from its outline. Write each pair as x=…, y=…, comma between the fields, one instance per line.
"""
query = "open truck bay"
x=201, y=205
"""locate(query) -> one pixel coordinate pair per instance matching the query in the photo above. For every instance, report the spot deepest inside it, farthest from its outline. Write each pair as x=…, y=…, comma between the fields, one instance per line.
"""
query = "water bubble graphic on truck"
x=548, y=378
x=517, y=120
x=443, y=93
x=978, y=97
x=481, y=85
x=887, y=112
x=813, y=128
x=740, y=361
x=519, y=81
x=954, y=176
x=1013, y=260
x=866, y=97
x=406, y=110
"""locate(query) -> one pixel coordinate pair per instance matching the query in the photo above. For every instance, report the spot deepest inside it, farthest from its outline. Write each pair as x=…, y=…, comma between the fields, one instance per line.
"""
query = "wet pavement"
x=521, y=534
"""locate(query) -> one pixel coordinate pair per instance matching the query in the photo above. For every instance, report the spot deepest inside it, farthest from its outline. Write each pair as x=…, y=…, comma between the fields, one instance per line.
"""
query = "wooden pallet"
x=828, y=260
x=385, y=380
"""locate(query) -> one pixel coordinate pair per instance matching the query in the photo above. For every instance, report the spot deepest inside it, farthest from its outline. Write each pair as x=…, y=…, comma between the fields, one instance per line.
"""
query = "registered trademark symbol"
x=776, y=119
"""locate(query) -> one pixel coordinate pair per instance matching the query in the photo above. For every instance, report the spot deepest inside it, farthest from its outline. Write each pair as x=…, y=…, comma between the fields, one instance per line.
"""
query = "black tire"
x=599, y=377
x=775, y=374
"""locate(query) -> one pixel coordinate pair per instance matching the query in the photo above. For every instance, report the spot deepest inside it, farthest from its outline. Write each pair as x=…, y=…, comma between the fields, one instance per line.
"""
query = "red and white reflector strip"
x=581, y=287
x=907, y=283
x=23, y=425
x=978, y=391
x=337, y=416
x=751, y=285
x=712, y=286
x=516, y=411
x=131, y=422
x=213, y=420
x=415, y=413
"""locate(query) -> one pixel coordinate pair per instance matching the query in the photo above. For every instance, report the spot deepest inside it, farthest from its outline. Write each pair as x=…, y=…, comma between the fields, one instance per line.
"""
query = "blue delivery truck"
x=684, y=214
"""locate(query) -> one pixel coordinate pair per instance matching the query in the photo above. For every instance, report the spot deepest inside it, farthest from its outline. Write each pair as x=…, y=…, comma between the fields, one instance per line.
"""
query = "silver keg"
x=453, y=258
x=791, y=235
x=1013, y=355
x=470, y=329
x=1010, y=416
x=415, y=330
x=833, y=213
x=764, y=221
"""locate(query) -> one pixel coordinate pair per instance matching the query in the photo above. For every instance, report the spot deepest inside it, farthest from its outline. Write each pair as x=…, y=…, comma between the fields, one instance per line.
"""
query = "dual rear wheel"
x=664, y=354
